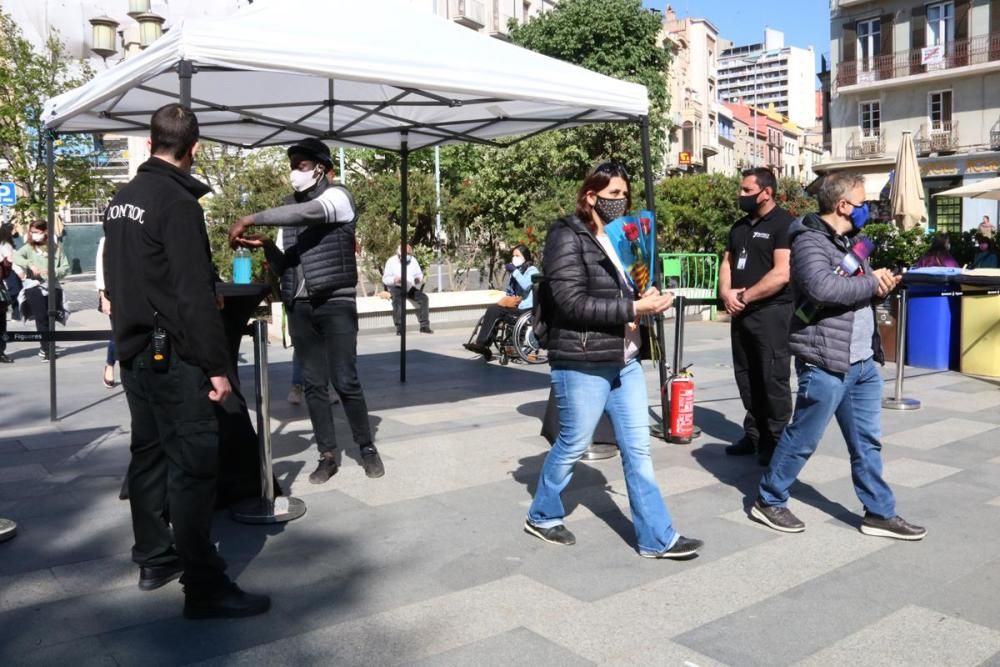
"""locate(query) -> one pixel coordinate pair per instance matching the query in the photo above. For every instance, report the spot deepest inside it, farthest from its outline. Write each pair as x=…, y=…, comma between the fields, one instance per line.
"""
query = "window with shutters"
x=869, y=43
x=939, y=110
x=871, y=119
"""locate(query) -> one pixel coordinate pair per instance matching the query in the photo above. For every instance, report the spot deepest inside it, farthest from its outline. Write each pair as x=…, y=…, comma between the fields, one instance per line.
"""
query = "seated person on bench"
x=516, y=300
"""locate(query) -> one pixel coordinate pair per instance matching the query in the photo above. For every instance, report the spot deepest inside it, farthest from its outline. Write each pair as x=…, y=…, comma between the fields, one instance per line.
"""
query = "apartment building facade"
x=928, y=68
x=694, y=107
x=770, y=73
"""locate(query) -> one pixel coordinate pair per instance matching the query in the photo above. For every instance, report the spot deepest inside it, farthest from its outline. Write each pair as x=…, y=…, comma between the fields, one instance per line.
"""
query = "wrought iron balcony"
x=939, y=137
x=977, y=50
x=868, y=145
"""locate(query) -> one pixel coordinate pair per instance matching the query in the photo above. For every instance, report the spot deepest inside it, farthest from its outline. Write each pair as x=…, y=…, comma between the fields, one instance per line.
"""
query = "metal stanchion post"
x=680, y=303
x=267, y=508
x=897, y=402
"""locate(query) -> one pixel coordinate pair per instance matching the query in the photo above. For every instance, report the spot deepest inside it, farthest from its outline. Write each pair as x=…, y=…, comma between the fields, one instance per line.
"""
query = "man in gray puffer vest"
x=836, y=347
x=319, y=277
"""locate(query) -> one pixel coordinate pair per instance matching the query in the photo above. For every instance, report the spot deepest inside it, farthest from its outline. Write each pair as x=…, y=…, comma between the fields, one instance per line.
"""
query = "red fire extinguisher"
x=680, y=388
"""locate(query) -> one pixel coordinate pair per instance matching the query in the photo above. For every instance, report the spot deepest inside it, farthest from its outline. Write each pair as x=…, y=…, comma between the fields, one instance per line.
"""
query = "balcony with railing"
x=955, y=54
x=470, y=13
x=863, y=146
x=937, y=137
x=995, y=136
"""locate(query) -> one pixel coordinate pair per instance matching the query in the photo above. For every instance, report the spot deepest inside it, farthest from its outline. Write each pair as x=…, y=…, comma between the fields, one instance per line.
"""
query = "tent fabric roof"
x=351, y=73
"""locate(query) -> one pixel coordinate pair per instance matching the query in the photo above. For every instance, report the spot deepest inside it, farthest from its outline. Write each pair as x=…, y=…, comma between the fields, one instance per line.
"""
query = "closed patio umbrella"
x=907, y=194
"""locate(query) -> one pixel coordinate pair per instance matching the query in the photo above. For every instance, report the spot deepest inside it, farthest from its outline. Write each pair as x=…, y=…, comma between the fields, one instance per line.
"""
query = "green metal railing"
x=691, y=274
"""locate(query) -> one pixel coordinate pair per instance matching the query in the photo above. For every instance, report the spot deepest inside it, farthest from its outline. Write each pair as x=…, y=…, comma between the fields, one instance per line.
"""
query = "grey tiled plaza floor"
x=429, y=566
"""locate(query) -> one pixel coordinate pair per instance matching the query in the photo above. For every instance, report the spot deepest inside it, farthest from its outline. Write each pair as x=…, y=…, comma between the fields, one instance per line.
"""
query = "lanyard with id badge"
x=741, y=262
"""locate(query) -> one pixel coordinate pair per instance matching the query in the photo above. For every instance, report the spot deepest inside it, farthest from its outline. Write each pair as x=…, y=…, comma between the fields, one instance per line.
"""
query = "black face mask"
x=610, y=209
x=748, y=203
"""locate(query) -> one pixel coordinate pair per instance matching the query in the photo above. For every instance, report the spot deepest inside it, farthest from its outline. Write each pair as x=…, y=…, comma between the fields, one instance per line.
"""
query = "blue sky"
x=806, y=22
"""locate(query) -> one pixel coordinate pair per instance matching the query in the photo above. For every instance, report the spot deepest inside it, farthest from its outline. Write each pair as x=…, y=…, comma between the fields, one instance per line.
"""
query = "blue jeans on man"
x=584, y=392
x=855, y=399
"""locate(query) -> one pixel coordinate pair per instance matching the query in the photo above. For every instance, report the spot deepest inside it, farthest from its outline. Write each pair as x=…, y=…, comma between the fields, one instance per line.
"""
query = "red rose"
x=631, y=231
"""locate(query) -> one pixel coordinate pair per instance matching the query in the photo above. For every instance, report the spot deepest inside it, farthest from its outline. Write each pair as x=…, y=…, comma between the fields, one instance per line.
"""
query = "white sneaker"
x=295, y=394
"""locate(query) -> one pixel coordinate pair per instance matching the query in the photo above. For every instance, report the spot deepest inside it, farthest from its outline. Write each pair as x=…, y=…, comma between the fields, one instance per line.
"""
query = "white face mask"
x=37, y=238
x=304, y=180
x=517, y=261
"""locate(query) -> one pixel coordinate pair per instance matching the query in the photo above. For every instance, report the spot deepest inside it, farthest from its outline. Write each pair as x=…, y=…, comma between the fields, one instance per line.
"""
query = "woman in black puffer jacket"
x=594, y=353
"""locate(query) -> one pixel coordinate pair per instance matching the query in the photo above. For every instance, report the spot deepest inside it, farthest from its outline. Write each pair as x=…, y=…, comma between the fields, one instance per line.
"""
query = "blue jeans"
x=855, y=398
x=583, y=392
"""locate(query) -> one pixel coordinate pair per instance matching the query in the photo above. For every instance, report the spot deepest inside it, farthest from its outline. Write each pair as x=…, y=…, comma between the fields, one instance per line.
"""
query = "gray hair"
x=836, y=187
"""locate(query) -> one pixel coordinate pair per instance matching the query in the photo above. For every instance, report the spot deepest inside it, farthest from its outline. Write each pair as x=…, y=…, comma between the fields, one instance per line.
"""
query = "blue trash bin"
x=933, y=323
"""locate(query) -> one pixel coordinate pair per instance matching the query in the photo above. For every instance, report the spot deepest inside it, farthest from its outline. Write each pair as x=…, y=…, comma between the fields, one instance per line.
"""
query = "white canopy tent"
x=350, y=73
x=366, y=74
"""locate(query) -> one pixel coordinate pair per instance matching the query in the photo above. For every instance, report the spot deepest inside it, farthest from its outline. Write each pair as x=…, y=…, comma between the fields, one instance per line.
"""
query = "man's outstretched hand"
x=239, y=228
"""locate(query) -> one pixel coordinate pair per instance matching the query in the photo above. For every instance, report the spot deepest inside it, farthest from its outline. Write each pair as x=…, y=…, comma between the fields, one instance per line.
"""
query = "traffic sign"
x=8, y=194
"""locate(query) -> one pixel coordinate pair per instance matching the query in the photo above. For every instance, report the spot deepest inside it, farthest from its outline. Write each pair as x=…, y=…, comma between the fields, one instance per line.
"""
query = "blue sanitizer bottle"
x=242, y=267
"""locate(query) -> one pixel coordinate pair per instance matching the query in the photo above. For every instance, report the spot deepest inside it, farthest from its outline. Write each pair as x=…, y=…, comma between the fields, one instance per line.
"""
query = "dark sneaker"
x=153, y=577
x=4, y=359
x=741, y=448
x=372, y=462
x=896, y=528
x=684, y=547
x=555, y=535
x=228, y=602
x=326, y=469
x=476, y=347
x=426, y=330
x=779, y=518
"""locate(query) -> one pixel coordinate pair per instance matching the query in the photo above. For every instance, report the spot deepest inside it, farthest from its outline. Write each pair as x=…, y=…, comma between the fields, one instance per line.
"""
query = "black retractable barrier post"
x=897, y=401
x=267, y=508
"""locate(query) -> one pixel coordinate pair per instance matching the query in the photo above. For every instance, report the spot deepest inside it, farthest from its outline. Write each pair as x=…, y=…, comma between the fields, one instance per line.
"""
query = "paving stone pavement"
x=428, y=566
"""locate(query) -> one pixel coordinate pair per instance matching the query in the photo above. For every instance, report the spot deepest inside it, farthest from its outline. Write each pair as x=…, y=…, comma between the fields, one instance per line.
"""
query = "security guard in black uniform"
x=753, y=285
x=169, y=335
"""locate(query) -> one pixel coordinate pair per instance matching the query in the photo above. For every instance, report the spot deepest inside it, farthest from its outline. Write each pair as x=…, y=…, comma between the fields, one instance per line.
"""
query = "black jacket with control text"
x=157, y=260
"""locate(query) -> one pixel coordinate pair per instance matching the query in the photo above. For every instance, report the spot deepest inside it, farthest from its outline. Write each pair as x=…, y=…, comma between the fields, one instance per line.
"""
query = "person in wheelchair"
x=516, y=300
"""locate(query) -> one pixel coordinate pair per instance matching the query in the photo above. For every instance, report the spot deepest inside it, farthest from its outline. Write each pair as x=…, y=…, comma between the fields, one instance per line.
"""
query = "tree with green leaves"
x=27, y=79
x=242, y=181
x=509, y=195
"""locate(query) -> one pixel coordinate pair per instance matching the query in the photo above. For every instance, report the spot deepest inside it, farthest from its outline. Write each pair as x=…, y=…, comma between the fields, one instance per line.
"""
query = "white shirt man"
x=392, y=278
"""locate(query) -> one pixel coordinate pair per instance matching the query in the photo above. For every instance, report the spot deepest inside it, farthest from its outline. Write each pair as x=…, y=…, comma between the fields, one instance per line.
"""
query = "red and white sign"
x=932, y=55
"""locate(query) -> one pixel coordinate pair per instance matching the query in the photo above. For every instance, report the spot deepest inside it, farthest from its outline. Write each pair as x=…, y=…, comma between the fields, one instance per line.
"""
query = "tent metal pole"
x=50, y=346
x=661, y=363
x=404, y=188
x=184, y=72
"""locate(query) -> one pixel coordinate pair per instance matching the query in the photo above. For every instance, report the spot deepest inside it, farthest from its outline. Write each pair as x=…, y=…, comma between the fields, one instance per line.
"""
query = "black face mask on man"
x=748, y=203
x=610, y=209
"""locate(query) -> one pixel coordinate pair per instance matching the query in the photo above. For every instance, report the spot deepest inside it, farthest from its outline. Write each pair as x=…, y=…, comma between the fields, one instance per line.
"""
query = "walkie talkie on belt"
x=161, y=347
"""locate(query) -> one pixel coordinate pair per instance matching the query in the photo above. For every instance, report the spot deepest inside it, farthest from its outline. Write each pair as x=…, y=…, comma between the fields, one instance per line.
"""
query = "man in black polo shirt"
x=753, y=285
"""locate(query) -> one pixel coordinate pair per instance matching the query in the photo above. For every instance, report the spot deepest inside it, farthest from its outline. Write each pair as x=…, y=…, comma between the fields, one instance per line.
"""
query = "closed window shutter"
x=848, y=55
x=918, y=37
x=961, y=33
x=887, y=63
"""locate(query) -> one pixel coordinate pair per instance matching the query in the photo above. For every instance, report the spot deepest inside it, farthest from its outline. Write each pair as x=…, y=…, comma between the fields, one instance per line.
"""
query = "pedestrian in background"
x=104, y=306
x=6, y=300
x=31, y=264
x=392, y=278
x=753, y=285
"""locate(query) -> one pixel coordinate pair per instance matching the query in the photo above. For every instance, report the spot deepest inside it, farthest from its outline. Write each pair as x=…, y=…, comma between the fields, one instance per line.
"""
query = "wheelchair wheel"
x=525, y=343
